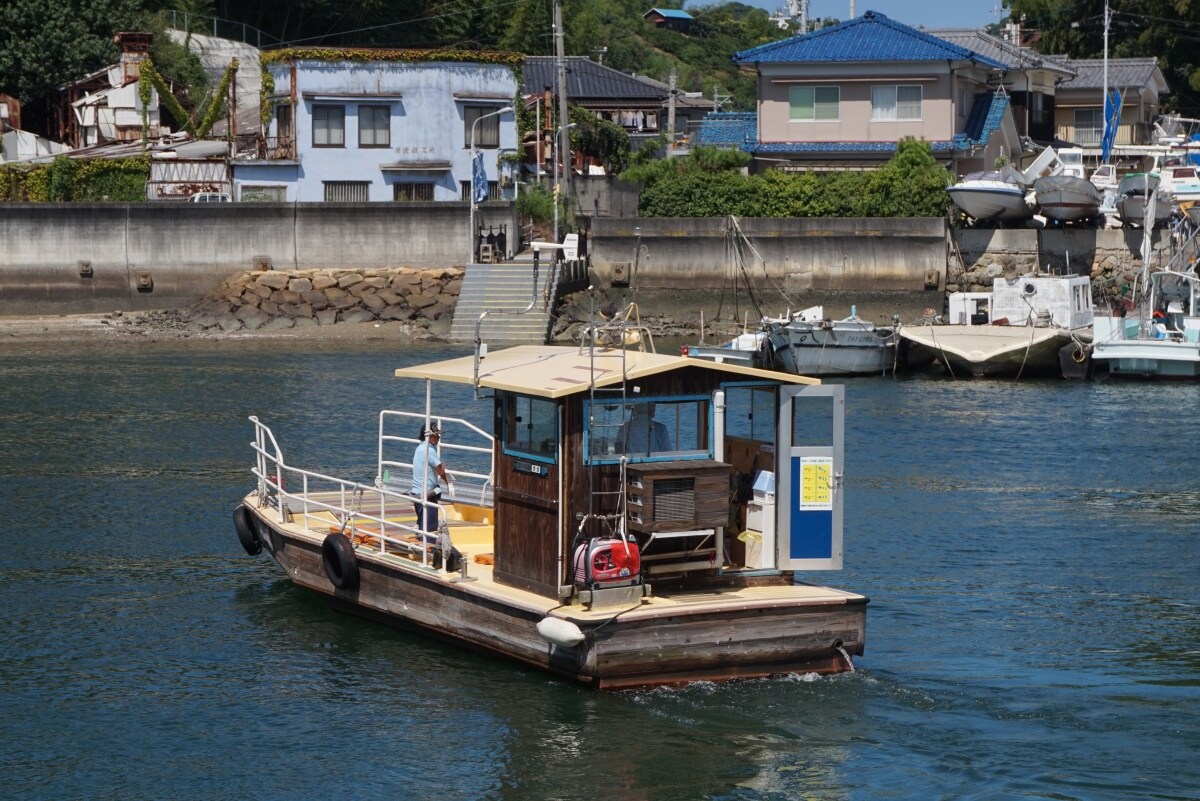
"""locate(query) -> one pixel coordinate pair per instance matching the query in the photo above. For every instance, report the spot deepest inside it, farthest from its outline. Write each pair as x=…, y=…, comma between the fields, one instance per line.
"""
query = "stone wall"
x=273, y=299
x=1111, y=257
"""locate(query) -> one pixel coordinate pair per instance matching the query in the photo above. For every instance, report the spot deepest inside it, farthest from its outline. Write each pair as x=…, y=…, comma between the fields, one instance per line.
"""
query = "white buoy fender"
x=562, y=633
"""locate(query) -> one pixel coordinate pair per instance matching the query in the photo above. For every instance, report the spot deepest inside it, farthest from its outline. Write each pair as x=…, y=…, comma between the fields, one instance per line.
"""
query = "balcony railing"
x=1136, y=133
x=276, y=147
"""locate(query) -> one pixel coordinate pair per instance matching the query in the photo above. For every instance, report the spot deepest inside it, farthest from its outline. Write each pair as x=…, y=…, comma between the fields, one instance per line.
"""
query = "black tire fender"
x=341, y=565
x=246, y=534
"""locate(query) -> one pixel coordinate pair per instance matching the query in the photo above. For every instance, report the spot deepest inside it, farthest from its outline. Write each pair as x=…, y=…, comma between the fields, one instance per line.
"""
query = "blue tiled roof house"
x=842, y=97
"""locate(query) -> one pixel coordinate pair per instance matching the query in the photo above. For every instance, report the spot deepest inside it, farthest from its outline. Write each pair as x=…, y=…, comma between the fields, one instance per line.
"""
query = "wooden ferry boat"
x=604, y=554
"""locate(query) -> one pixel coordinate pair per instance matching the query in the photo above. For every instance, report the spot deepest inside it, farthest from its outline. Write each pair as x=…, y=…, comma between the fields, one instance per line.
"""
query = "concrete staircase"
x=508, y=286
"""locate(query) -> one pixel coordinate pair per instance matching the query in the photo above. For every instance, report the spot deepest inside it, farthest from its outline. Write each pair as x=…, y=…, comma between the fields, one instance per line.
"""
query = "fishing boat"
x=1165, y=345
x=1017, y=329
x=1138, y=197
x=598, y=529
x=992, y=197
x=1162, y=338
x=747, y=348
x=809, y=343
x=1067, y=198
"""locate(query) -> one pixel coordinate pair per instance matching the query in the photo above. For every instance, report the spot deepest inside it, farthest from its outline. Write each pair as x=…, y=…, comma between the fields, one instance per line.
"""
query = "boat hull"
x=980, y=350
x=1131, y=210
x=767, y=631
x=991, y=201
x=839, y=348
x=1066, y=198
x=1147, y=358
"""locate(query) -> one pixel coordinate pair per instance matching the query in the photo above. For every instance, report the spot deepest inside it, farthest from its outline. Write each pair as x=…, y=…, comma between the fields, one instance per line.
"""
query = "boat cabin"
x=702, y=471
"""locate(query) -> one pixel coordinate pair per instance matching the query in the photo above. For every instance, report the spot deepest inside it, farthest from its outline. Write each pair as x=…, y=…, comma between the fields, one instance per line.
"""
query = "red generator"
x=613, y=563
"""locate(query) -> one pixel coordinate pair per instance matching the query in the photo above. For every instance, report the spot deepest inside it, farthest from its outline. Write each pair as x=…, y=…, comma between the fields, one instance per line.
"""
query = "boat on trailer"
x=576, y=541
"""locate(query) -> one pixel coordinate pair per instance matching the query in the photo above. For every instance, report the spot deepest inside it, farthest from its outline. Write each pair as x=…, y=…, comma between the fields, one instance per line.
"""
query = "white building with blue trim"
x=360, y=125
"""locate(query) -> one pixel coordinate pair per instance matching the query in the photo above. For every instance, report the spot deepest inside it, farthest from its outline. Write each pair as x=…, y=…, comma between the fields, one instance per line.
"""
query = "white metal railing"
x=465, y=463
x=360, y=510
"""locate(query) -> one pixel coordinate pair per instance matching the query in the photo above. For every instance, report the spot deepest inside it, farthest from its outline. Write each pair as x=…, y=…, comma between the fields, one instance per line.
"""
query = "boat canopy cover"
x=554, y=372
x=990, y=175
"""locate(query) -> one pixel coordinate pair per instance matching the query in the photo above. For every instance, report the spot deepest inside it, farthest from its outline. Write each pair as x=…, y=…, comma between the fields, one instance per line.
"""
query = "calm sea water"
x=1031, y=551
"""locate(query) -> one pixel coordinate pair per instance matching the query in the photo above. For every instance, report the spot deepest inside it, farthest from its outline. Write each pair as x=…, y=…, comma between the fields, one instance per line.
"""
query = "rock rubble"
x=277, y=299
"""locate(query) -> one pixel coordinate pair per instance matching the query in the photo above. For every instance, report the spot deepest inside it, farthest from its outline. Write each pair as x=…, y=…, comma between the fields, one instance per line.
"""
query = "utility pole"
x=1104, y=103
x=671, y=111
x=564, y=147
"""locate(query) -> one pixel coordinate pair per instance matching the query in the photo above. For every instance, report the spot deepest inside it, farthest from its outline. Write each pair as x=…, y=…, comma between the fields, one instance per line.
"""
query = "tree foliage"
x=1166, y=29
x=910, y=184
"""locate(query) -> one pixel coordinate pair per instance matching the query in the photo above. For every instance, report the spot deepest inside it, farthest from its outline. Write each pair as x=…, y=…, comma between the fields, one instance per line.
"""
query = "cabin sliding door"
x=809, y=465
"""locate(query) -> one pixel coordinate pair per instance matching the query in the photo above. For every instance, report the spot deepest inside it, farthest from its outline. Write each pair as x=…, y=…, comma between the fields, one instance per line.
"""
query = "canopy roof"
x=555, y=372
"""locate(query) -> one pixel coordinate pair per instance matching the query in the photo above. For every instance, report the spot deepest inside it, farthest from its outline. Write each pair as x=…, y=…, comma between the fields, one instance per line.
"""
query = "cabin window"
x=648, y=429
x=750, y=413
x=530, y=427
x=329, y=126
x=890, y=103
x=374, y=126
x=814, y=102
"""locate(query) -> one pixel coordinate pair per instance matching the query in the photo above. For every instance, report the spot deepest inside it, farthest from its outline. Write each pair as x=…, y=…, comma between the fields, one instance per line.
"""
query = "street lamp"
x=474, y=128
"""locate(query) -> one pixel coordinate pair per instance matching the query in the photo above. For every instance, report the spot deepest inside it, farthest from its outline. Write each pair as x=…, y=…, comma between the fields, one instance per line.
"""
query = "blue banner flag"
x=1112, y=118
x=479, y=182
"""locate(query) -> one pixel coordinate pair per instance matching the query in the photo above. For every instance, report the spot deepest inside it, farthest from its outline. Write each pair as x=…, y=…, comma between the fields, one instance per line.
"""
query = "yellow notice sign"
x=816, y=483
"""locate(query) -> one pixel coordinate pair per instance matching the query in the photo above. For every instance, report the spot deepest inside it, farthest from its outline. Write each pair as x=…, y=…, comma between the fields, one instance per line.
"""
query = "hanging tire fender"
x=246, y=534
x=341, y=565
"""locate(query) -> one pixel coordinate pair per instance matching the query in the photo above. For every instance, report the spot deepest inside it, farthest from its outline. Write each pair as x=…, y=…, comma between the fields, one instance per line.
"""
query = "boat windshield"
x=990, y=175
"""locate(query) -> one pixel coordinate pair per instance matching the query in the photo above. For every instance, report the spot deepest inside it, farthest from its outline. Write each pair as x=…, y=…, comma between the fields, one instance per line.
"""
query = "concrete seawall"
x=65, y=258
x=903, y=255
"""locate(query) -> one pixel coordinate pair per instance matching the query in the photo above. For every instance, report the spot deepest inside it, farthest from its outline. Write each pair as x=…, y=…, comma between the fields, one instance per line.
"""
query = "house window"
x=263, y=194
x=410, y=192
x=814, y=102
x=329, y=126
x=347, y=191
x=374, y=126
x=530, y=427
x=1089, y=126
x=890, y=103
x=487, y=132
x=283, y=120
x=465, y=190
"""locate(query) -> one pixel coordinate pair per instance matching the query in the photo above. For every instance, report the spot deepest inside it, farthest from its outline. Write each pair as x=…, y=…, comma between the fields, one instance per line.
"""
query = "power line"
x=399, y=22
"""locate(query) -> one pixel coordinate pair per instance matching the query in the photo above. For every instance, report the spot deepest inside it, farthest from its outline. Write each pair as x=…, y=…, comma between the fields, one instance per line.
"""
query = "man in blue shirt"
x=427, y=469
x=642, y=434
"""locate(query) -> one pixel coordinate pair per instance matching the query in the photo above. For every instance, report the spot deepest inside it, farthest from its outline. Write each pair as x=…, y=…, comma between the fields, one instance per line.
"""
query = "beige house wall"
x=944, y=108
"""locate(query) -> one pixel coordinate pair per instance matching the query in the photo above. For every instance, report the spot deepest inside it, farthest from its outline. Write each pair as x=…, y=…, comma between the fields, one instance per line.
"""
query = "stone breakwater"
x=278, y=299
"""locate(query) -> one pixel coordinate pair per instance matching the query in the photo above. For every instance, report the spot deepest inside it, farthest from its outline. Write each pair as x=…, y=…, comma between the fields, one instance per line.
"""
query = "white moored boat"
x=1017, y=329
x=596, y=535
x=1138, y=197
x=992, y=197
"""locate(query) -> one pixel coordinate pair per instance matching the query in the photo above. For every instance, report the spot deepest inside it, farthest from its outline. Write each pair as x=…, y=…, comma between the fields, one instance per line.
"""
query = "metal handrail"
x=476, y=485
x=351, y=509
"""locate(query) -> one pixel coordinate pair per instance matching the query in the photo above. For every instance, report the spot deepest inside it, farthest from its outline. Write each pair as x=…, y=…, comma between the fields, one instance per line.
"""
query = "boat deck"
x=471, y=533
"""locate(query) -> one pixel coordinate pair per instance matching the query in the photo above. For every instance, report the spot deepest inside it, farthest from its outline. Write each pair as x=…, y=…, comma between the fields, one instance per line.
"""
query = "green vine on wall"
x=66, y=180
x=286, y=54
x=213, y=105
